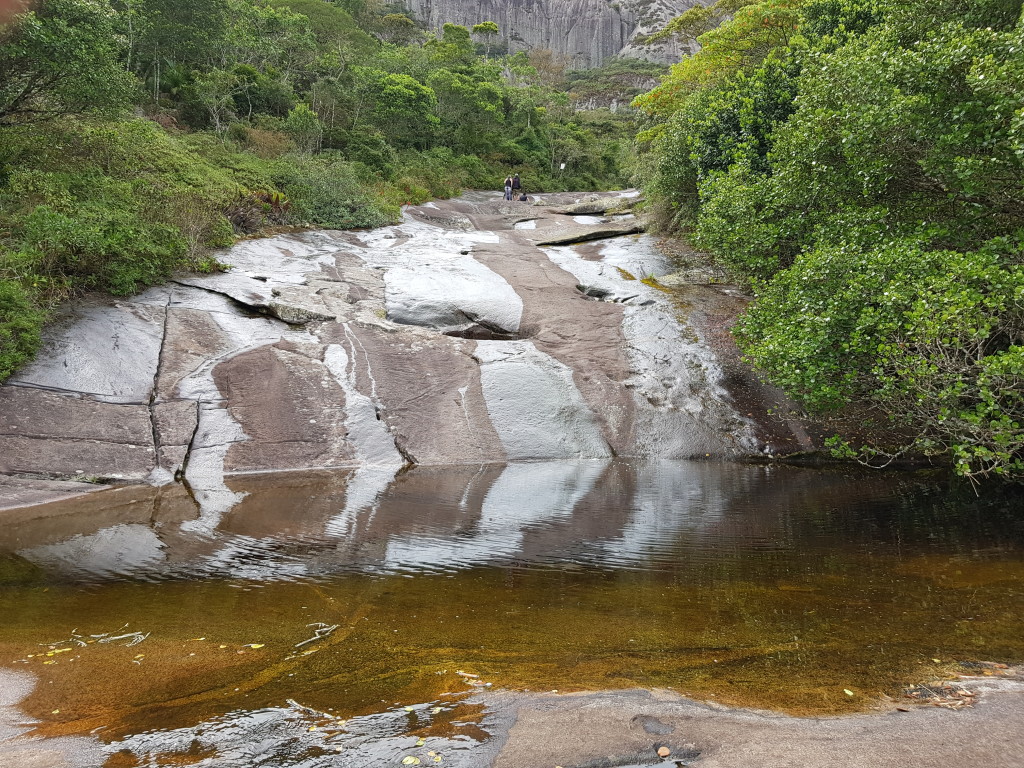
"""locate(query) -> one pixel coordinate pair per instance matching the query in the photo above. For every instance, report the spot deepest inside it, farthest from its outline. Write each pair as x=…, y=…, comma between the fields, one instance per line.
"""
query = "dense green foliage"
x=136, y=135
x=618, y=79
x=861, y=163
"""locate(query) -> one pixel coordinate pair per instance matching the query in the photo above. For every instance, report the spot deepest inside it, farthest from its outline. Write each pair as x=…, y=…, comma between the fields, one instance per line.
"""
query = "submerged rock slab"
x=18, y=492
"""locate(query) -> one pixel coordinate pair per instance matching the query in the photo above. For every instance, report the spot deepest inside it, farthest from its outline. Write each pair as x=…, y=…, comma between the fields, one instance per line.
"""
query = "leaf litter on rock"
x=940, y=693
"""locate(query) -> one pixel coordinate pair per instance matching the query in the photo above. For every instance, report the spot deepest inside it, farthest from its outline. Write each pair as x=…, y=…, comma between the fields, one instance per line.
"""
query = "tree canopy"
x=861, y=164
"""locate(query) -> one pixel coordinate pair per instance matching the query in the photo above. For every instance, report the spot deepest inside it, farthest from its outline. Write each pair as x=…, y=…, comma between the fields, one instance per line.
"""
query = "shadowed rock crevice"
x=604, y=232
x=291, y=313
x=160, y=473
x=479, y=329
x=602, y=293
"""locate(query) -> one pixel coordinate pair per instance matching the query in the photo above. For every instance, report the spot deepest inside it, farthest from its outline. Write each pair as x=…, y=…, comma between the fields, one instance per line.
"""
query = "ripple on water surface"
x=305, y=623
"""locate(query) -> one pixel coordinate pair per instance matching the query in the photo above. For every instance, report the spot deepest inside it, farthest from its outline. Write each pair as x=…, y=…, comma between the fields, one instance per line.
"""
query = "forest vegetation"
x=138, y=135
x=860, y=164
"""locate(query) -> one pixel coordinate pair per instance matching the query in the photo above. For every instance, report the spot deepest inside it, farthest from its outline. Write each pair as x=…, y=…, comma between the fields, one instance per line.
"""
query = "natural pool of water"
x=362, y=613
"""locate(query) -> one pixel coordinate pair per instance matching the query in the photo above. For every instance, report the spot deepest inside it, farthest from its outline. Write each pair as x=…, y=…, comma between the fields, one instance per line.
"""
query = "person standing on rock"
x=517, y=187
x=508, y=187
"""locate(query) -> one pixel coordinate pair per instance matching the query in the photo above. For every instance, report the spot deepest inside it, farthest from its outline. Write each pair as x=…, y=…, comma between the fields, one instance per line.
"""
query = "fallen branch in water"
x=322, y=631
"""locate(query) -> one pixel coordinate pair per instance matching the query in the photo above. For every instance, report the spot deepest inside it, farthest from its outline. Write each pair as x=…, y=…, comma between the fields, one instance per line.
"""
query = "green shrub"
x=20, y=326
x=99, y=246
x=325, y=191
x=365, y=147
x=934, y=339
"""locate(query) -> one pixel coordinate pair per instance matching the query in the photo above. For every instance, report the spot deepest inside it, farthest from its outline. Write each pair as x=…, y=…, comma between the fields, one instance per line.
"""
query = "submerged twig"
x=322, y=630
x=310, y=710
x=103, y=637
x=136, y=638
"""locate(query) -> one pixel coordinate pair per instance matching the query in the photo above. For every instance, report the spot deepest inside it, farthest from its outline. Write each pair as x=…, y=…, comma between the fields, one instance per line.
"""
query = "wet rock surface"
x=454, y=337
x=445, y=603
x=591, y=730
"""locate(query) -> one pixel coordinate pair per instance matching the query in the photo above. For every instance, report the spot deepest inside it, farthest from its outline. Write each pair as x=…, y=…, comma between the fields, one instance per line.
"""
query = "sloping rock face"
x=453, y=338
x=585, y=31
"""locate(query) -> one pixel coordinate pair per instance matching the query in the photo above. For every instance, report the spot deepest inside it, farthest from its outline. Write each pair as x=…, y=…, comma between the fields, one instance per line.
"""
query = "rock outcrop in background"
x=585, y=31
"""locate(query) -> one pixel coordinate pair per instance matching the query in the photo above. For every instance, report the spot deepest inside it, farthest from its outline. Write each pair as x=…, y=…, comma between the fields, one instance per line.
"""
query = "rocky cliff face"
x=586, y=31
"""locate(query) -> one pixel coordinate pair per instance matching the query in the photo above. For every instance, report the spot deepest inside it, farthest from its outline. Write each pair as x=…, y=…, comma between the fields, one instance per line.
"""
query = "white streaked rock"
x=535, y=406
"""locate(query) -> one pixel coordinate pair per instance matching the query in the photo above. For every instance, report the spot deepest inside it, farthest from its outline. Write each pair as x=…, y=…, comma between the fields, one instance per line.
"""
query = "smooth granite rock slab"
x=55, y=457
x=268, y=275
x=37, y=413
x=60, y=435
x=428, y=389
x=453, y=295
x=18, y=492
x=584, y=335
x=534, y=405
x=194, y=337
x=288, y=405
x=379, y=365
x=101, y=346
x=603, y=729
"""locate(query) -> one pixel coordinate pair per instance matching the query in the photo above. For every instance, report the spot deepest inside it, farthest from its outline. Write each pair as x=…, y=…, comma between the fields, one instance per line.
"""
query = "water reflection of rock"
x=663, y=516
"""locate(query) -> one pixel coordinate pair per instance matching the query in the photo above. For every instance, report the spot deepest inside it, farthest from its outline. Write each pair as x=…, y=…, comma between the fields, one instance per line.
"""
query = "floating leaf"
x=847, y=691
x=408, y=709
x=410, y=760
x=255, y=645
x=421, y=742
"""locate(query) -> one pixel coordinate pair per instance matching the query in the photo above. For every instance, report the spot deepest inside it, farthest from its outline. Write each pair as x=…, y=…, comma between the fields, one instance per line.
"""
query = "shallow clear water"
x=336, y=610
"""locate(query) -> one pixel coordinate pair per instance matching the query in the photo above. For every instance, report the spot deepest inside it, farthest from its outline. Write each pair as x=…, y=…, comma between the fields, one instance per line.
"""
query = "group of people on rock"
x=514, y=189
